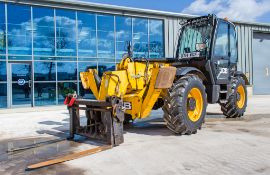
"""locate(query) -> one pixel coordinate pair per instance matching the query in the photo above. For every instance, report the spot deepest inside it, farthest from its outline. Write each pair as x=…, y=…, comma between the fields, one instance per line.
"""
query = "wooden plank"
x=68, y=157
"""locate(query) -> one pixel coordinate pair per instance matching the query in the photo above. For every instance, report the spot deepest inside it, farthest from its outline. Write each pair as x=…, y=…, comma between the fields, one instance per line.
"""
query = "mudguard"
x=241, y=74
x=185, y=70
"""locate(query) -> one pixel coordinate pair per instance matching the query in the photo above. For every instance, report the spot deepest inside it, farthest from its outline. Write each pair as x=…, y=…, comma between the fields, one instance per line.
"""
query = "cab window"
x=222, y=40
x=233, y=45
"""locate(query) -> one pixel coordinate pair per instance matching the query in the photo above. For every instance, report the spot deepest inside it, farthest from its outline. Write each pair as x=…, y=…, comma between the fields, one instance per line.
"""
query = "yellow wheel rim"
x=195, y=113
x=241, y=97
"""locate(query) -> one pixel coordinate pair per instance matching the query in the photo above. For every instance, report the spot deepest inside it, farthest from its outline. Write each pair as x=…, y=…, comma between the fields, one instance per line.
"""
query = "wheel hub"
x=194, y=104
x=191, y=104
x=240, y=96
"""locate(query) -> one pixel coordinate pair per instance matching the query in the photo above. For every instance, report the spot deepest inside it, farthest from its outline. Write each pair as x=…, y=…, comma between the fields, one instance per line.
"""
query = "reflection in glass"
x=65, y=33
x=86, y=93
x=3, y=71
x=64, y=89
x=156, y=39
x=103, y=67
x=43, y=27
x=21, y=71
x=87, y=34
x=19, y=58
x=21, y=94
x=105, y=27
x=66, y=58
x=3, y=95
x=222, y=41
x=44, y=71
x=19, y=29
x=44, y=58
x=233, y=44
x=45, y=94
x=140, y=38
x=84, y=66
x=2, y=29
x=66, y=71
x=123, y=35
x=21, y=86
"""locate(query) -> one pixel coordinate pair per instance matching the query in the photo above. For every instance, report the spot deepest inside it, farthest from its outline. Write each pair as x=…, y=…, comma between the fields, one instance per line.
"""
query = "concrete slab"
x=234, y=146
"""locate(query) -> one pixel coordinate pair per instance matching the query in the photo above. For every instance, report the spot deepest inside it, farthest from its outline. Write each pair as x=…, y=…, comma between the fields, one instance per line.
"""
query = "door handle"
x=29, y=83
x=267, y=71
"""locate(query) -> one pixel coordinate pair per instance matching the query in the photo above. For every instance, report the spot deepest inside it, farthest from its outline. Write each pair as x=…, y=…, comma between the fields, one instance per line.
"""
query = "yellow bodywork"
x=139, y=84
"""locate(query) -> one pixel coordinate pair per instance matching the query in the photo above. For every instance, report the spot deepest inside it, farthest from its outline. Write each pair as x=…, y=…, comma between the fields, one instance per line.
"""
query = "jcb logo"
x=223, y=70
x=127, y=105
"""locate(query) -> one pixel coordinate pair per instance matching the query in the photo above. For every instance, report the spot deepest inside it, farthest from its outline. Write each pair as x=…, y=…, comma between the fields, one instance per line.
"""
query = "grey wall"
x=245, y=49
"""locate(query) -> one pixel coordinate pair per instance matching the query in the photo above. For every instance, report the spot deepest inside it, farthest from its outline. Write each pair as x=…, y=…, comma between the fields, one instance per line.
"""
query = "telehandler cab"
x=203, y=71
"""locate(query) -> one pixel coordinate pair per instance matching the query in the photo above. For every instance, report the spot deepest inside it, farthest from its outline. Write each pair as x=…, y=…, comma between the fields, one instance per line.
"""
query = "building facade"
x=44, y=45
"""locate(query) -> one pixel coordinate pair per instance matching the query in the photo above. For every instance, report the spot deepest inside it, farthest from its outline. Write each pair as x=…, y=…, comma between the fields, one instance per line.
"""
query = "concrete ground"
x=223, y=146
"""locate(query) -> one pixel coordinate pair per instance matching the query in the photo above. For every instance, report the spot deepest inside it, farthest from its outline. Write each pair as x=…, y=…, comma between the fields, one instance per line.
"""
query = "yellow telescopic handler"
x=204, y=70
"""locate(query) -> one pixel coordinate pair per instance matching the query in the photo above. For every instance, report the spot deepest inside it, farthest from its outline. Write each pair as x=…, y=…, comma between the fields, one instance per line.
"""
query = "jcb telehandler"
x=203, y=71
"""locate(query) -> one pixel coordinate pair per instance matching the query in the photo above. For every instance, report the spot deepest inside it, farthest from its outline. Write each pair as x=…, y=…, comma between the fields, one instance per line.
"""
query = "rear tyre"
x=185, y=105
x=237, y=102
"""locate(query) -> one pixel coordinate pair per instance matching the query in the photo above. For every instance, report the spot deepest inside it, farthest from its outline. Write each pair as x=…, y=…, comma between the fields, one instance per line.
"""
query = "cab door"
x=221, y=56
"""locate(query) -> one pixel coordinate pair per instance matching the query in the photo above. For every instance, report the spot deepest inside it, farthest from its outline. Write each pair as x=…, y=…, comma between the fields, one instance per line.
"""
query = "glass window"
x=192, y=35
x=3, y=71
x=45, y=71
x=233, y=47
x=156, y=39
x=2, y=29
x=84, y=66
x=2, y=57
x=106, y=38
x=19, y=57
x=103, y=67
x=64, y=89
x=222, y=41
x=21, y=71
x=140, y=38
x=19, y=30
x=123, y=35
x=66, y=58
x=3, y=95
x=45, y=94
x=65, y=33
x=66, y=71
x=43, y=27
x=44, y=58
x=87, y=45
x=86, y=93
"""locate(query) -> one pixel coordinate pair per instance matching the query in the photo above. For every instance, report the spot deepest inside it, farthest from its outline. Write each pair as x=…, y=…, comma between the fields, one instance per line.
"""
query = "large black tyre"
x=237, y=101
x=178, y=105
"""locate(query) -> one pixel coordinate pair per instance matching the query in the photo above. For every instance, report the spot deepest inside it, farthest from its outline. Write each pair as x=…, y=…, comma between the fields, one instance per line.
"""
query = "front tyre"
x=237, y=102
x=185, y=105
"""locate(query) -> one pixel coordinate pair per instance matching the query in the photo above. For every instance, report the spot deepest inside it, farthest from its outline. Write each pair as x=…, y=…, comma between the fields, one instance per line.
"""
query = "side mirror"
x=200, y=46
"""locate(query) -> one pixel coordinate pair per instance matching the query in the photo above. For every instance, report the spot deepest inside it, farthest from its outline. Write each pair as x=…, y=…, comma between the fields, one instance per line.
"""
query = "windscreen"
x=192, y=36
